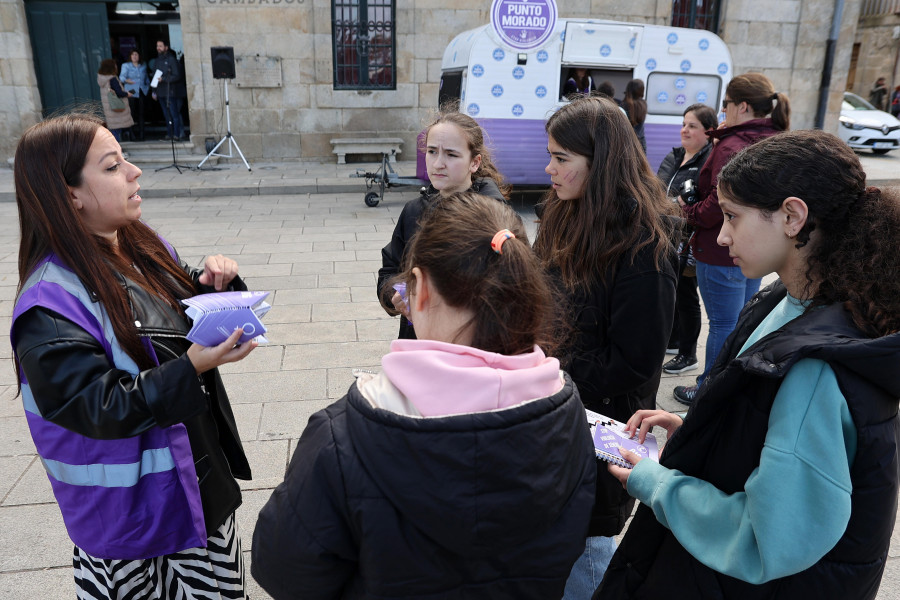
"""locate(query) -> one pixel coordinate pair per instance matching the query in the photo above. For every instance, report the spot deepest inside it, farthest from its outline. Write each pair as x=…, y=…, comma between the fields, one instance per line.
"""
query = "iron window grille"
x=696, y=14
x=363, y=44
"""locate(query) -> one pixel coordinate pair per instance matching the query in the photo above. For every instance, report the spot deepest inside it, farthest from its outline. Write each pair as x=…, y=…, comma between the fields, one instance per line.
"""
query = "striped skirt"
x=212, y=573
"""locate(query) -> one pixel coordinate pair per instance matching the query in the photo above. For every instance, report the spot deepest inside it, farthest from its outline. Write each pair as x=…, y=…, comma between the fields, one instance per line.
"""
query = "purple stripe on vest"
x=105, y=523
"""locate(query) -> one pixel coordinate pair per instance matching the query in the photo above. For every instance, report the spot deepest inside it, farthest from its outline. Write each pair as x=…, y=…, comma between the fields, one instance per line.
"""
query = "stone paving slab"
x=325, y=321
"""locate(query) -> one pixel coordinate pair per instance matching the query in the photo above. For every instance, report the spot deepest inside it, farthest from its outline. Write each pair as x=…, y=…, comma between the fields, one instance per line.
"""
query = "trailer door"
x=613, y=45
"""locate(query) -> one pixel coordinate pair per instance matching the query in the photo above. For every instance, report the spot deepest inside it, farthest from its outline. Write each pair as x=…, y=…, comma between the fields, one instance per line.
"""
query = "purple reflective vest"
x=128, y=498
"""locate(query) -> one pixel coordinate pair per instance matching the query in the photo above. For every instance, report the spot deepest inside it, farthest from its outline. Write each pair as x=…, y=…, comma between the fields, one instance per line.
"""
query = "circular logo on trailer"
x=540, y=91
x=605, y=50
x=477, y=70
x=497, y=91
x=650, y=64
x=517, y=110
x=518, y=73
x=702, y=97
x=680, y=83
x=672, y=38
x=680, y=99
x=685, y=65
x=542, y=56
x=662, y=97
x=589, y=31
x=499, y=54
x=473, y=109
x=704, y=44
x=523, y=24
x=723, y=68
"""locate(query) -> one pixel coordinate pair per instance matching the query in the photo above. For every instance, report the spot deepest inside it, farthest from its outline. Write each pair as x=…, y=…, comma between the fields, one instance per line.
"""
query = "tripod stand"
x=170, y=121
x=227, y=136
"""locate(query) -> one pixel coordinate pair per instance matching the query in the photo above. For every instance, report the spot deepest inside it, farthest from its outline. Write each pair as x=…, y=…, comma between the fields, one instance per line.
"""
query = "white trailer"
x=512, y=92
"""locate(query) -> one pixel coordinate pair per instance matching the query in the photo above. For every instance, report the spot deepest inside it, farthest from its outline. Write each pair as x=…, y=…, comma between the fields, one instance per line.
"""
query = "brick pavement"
x=318, y=253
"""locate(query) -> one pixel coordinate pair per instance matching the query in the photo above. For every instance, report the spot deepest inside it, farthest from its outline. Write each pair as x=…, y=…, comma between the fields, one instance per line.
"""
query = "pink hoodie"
x=442, y=379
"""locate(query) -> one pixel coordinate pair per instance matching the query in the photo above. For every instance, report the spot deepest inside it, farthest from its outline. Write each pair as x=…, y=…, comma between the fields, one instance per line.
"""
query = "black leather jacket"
x=79, y=390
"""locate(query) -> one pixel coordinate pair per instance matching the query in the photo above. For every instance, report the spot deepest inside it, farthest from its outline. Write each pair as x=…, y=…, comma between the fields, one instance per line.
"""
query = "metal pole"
x=825, y=86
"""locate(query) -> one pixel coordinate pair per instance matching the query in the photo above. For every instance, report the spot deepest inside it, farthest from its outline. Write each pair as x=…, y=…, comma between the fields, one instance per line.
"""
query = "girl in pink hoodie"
x=464, y=469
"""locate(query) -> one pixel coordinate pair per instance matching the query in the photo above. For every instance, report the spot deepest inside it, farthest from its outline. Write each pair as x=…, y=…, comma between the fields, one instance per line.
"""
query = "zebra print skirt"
x=212, y=573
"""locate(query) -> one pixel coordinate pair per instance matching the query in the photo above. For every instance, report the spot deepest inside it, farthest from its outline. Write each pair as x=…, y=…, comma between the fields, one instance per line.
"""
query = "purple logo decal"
x=523, y=24
x=680, y=99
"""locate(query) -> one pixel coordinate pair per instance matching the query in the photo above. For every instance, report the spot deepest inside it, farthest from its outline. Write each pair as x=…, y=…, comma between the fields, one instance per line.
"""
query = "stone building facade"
x=876, y=48
x=284, y=105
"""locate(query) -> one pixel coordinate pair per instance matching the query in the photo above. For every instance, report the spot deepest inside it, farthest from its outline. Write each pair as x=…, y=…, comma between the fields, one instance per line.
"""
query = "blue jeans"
x=171, y=108
x=725, y=291
x=588, y=570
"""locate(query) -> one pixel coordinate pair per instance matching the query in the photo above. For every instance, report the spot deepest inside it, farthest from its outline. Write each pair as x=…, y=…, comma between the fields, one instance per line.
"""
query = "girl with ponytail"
x=795, y=433
x=753, y=111
x=465, y=468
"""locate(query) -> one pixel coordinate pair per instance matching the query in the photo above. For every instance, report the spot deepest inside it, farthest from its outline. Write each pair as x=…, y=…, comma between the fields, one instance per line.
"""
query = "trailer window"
x=671, y=93
x=363, y=44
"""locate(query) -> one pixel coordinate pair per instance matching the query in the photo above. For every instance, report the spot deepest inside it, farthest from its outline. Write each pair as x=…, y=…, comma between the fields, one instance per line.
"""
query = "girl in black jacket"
x=605, y=235
x=683, y=164
x=465, y=469
x=457, y=160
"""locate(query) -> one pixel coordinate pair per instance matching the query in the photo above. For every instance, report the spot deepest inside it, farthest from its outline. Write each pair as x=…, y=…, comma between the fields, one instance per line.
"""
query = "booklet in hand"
x=217, y=315
x=609, y=435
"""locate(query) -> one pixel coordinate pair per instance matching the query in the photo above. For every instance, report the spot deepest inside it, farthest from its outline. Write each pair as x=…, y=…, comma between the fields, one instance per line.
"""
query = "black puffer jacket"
x=721, y=442
x=673, y=174
x=381, y=505
x=81, y=392
x=407, y=226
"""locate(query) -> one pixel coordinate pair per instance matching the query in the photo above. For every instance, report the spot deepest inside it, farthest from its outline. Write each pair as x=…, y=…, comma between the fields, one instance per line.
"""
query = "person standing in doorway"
x=133, y=76
x=170, y=90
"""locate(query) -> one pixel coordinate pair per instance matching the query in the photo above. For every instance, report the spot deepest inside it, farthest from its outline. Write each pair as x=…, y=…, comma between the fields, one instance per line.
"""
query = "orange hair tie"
x=500, y=237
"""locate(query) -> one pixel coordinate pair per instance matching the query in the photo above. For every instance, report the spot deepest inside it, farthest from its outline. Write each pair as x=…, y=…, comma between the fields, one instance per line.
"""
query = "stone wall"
x=878, y=53
x=786, y=40
x=19, y=98
x=783, y=38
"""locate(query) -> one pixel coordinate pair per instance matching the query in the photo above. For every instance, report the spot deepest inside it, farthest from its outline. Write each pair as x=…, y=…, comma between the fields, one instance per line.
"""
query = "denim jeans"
x=588, y=570
x=171, y=108
x=725, y=291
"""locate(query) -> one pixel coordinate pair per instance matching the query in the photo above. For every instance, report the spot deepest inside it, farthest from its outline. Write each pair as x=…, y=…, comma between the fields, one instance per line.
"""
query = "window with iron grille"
x=363, y=42
x=696, y=14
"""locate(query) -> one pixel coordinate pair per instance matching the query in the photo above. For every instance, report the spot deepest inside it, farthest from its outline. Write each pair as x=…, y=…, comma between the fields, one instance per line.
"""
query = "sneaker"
x=680, y=364
x=673, y=350
x=685, y=393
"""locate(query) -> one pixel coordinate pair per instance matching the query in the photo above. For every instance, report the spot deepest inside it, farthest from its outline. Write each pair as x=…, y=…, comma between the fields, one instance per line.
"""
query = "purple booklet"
x=609, y=436
x=217, y=315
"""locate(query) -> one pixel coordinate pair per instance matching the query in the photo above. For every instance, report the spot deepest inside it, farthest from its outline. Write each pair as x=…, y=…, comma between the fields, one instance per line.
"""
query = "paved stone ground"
x=319, y=254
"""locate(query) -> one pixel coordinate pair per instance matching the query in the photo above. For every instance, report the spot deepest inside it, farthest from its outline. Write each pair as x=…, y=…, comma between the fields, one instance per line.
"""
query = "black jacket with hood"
x=377, y=504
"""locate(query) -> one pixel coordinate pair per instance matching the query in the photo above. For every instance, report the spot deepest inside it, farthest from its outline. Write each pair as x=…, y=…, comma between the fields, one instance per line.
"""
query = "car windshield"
x=854, y=102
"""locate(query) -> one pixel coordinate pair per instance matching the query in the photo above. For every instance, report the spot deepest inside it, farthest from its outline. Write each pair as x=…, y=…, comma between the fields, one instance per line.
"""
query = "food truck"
x=509, y=76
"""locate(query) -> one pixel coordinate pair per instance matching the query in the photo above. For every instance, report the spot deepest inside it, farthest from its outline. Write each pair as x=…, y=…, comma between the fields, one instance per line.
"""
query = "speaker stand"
x=228, y=137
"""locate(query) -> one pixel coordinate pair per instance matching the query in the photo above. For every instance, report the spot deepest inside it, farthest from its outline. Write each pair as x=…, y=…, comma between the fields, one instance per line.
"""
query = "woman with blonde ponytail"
x=753, y=111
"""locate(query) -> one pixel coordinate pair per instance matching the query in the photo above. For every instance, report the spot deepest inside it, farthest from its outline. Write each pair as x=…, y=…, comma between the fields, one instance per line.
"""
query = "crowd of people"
x=466, y=468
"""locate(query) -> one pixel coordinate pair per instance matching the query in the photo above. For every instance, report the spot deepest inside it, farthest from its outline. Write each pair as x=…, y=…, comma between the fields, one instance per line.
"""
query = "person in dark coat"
x=724, y=289
x=636, y=108
x=457, y=160
x=681, y=165
x=605, y=237
x=466, y=468
x=781, y=482
x=171, y=90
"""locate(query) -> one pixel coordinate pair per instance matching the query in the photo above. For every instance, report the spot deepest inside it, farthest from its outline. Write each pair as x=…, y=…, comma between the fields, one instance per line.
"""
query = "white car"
x=864, y=127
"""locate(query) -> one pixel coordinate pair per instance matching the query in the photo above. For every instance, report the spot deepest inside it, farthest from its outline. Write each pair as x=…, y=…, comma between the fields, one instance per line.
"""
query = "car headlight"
x=850, y=123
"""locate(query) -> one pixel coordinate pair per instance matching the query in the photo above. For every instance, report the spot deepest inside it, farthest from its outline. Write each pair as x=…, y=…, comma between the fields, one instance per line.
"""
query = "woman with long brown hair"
x=131, y=421
x=605, y=237
x=636, y=108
